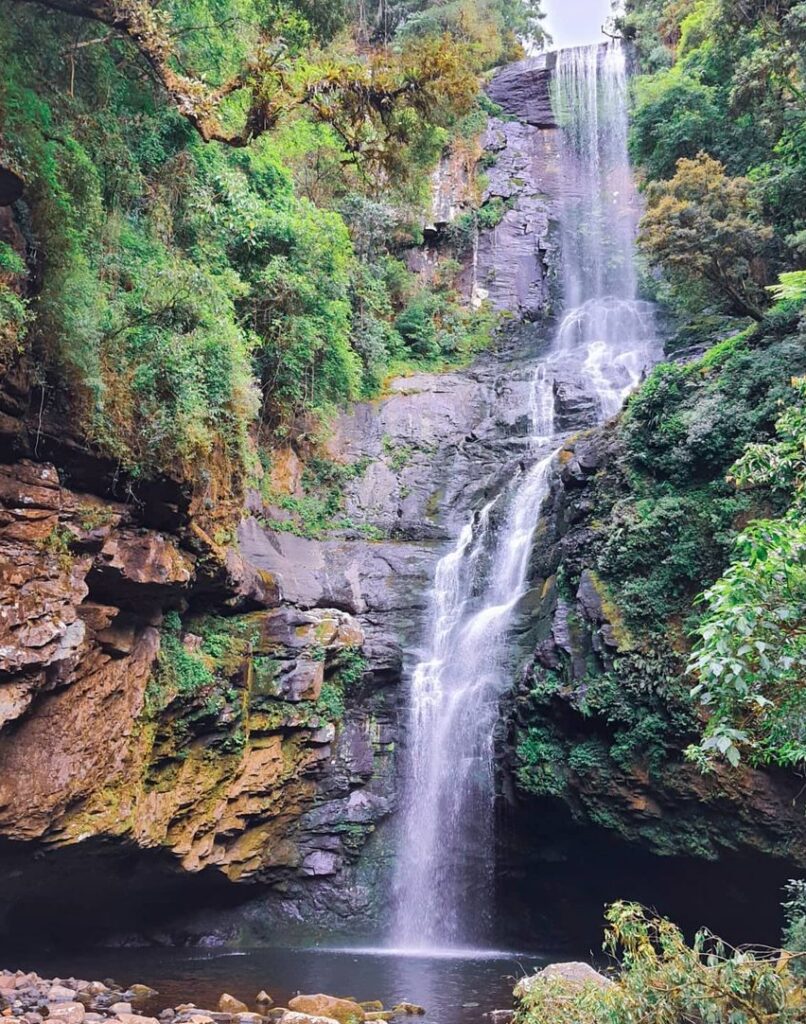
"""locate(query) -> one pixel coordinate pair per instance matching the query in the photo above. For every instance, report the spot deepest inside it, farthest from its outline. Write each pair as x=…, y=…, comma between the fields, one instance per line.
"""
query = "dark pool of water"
x=454, y=989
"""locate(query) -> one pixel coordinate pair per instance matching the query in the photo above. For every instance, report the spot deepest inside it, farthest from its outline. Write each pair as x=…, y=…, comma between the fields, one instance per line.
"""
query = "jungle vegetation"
x=218, y=197
x=719, y=135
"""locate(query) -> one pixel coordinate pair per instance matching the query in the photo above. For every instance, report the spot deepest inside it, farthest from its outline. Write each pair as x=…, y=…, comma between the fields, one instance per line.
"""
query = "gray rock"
x=574, y=974
x=523, y=90
x=574, y=405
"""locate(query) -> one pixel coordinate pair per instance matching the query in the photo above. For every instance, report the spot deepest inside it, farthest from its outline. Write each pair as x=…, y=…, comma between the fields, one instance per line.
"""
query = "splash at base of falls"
x=445, y=867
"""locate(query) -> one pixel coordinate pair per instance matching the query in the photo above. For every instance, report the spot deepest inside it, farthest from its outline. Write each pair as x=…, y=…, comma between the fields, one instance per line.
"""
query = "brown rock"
x=97, y=616
x=343, y=1010
x=229, y=1004
x=147, y=559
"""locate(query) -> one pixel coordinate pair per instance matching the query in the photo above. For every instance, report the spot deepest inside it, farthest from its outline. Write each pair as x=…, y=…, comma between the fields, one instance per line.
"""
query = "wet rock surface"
x=523, y=90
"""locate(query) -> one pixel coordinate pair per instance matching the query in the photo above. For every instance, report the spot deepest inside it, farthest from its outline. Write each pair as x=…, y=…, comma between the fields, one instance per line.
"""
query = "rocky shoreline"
x=27, y=998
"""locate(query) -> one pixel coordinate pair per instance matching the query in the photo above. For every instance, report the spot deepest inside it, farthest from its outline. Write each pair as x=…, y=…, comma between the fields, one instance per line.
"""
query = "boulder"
x=574, y=974
x=117, y=1008
x=66, y=1013
x=60, y=993
x=292, y=1017
x=229, y=1004
x=141, y=992
x=343, y=1010
x=410, y=1008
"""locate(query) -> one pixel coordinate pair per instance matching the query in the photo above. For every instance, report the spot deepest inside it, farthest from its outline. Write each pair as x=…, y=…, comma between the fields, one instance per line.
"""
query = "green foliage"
x=665, y=980
x=10, y=262
x=751, y=651
x=331, y=701
x=178, y=670
x=699, y=227
x=320, y=509
x=195, y=665
x=726, y=79
x=188, y=289
x=663, y=522
x=351, y=666
x=795, y=929
x=791, y=287
x=541, y=764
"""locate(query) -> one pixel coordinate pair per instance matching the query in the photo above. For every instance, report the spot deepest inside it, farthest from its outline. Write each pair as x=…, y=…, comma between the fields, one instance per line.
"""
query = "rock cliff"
x=227, y=699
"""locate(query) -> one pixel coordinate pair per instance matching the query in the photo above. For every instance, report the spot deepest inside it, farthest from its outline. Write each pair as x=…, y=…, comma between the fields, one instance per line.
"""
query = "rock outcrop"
x=592, y=743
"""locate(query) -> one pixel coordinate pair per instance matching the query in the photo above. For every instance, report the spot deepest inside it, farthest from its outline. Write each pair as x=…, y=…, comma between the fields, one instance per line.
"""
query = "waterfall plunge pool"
x=455, y=987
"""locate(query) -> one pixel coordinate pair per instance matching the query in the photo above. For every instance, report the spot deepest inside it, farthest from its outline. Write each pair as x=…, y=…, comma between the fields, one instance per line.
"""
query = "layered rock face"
x=118, y=720
x=232, y=701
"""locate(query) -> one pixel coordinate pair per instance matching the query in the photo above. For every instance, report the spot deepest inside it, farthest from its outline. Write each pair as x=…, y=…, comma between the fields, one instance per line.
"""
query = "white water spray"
x=444, y=883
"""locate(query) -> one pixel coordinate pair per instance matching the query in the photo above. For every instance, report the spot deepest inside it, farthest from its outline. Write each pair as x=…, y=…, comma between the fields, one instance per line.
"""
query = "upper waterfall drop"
x=445, y=868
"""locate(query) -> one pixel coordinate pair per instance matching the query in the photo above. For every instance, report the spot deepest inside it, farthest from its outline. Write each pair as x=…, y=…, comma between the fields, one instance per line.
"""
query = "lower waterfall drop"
x=445, y=866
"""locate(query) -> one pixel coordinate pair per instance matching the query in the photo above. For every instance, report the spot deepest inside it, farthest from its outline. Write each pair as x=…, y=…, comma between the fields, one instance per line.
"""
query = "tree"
x=370, y=102
x=699, y=227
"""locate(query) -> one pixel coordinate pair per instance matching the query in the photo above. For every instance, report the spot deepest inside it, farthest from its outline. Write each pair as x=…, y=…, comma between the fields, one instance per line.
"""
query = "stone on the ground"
x=345, y=1011
x=66, y=1013
x=371, y=1005
x=59, y=993
x=295, y=1017
x=247, y=1017
x=574, y=973
x=141, y=992
x=380, y=1015
x=135, y=1018
x=118, y=1008
x=229, y=1004
x=410, y=1008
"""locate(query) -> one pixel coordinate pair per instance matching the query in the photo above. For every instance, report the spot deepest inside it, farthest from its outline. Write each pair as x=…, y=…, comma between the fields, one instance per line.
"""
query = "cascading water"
x=445, y=868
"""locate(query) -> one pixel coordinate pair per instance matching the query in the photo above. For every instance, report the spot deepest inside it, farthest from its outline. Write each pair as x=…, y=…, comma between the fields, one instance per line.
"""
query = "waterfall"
x=444, y=883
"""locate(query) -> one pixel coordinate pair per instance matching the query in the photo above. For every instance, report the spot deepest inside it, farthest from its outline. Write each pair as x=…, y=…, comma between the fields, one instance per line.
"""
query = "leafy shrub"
x=665, y=980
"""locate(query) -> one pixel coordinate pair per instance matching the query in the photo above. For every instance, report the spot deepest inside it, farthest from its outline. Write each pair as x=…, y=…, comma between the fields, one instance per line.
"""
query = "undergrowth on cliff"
x=217, y=208
x=666, y=519
x=663, y=979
